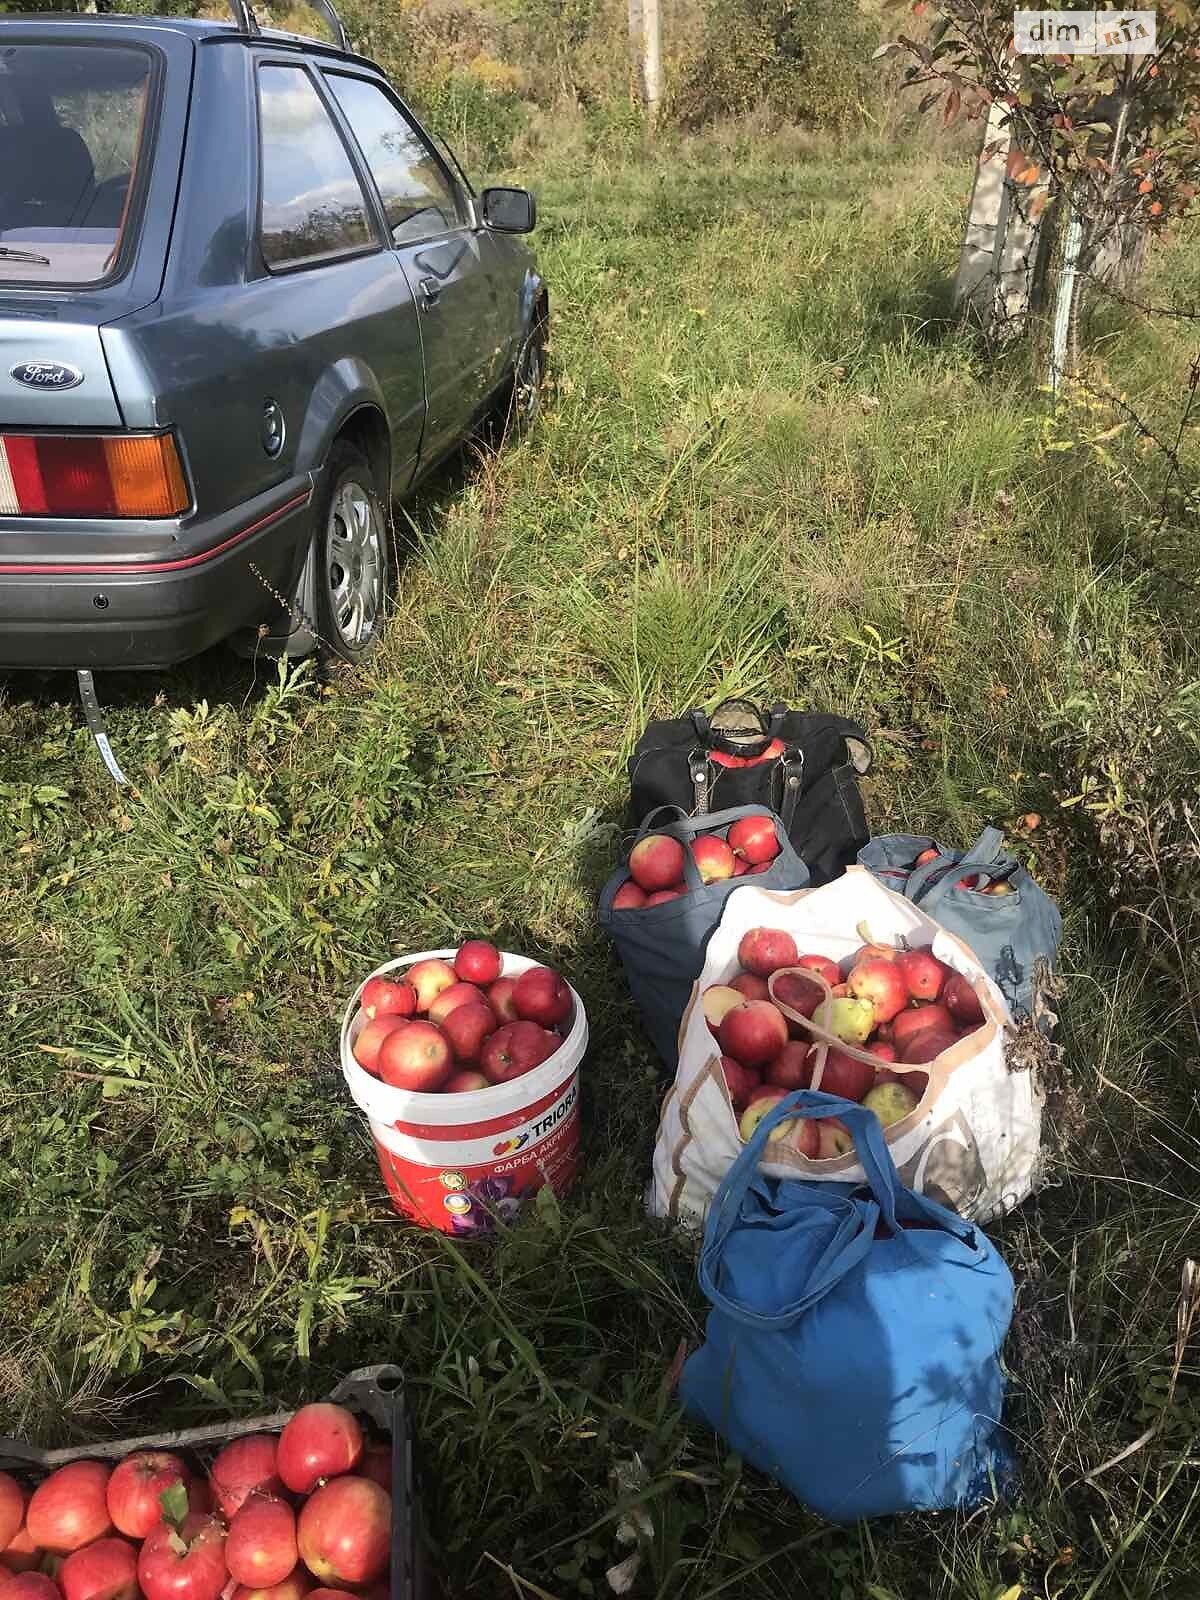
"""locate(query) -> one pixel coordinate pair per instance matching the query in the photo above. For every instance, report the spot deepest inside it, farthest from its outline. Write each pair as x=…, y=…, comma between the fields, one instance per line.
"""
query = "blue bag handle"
x=982, y=853
x=685, y=827
x=856, y=1233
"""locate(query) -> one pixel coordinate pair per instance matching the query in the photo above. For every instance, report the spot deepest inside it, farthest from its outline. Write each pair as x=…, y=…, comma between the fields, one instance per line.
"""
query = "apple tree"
x=1112, y=140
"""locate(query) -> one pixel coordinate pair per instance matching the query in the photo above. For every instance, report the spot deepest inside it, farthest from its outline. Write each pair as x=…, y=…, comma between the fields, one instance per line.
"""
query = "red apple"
x=332, y=1594
x=466, y=1028
x=30, y=1586
x=804, y=1137
x=662, y=896
x=961, y=1001
x=801, y=994
x=763, y=866
x=754, y=840
x=429, y=978
x=344, y=1531
x=927, y=855
x=923, y=973
x=835, y=1138
x=376, y=1463
x=740, y=867
x=499, y=997
x=765, y=950
x=458, y=994
x=135, y=1486
x=260, y=1550
x=20, y=1554
x=12, y=1508
x=883, y=984
x=741, y=1082
x=464, y=1083
x=242, y=1467
x=656, y=862
x=750, y=986
x=384, y=997
x=478, y=961
x=105, y=1570
x=839, y=991
x=753, y=1032
x=927, y=1044
x=68, y=1509
x=717, y=1001
x=370, y=1040
x=514, y=1050
x=188, y=1565
x=629, y=897
x=713, y=857
x=969, y=882
x=823, y=967
x=762, y=1101
x=320, y=1441
x=844, y=1075
x=416, y=1057
x=999, y=887
x=891, y=1102
x=542, y=996
x=294, y=1587
x=917, y=1020
x=790, y=1068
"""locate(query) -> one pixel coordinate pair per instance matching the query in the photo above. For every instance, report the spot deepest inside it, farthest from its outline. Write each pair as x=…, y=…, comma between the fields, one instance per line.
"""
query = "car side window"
x=419, y=197
x=313, y=207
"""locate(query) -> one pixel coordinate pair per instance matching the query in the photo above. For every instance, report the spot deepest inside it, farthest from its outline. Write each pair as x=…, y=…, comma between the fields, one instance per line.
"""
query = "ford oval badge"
x=46, y=375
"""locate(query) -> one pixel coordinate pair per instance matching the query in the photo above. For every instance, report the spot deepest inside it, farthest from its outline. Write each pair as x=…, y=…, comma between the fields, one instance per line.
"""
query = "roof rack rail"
x=247, y=22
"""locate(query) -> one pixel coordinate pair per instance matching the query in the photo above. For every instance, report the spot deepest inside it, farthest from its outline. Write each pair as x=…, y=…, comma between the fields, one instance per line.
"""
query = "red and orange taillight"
x=89, y=475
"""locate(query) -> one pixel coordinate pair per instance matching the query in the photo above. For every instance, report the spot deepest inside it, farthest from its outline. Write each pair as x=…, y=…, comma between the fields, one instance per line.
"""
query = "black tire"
x=529, y=380
x=353, y=564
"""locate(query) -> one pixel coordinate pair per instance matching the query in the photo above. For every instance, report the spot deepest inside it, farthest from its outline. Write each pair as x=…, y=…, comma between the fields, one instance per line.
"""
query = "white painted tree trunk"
x=652, y=55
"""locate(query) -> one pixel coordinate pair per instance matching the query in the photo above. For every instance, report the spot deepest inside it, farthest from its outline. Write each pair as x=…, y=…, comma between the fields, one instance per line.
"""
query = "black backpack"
x=803, y=766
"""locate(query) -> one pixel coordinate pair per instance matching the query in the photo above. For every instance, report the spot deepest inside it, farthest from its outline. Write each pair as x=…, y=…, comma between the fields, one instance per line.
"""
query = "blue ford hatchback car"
x=245, y=300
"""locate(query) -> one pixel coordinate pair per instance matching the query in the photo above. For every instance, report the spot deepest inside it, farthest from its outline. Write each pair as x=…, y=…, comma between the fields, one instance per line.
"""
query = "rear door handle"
x=431, y=293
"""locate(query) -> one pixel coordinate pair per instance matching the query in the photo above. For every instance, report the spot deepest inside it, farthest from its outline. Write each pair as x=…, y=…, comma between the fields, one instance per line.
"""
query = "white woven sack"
x=972, y=1142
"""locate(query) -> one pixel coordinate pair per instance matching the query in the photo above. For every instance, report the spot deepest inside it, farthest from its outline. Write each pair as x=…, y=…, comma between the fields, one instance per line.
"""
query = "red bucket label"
x=462, y=1178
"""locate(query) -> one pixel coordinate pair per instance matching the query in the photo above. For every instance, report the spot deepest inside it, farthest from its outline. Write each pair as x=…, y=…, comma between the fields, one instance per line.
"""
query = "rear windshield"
x=74, y=124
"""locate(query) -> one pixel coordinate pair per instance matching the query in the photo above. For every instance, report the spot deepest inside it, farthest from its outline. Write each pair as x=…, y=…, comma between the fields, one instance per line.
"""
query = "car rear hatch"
x=92, y=118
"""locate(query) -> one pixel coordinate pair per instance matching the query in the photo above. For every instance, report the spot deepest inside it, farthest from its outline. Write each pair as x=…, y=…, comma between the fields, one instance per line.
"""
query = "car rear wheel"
x=353, y=556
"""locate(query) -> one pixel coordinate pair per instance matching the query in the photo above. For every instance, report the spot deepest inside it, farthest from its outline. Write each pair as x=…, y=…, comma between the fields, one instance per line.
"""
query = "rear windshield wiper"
x=7, y=253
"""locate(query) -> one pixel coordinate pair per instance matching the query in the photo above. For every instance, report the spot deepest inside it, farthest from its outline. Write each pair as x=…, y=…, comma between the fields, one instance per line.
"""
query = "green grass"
x=768, y=467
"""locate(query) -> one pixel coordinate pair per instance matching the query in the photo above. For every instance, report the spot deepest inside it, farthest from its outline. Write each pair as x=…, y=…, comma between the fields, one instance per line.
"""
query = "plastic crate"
x=376, y=1393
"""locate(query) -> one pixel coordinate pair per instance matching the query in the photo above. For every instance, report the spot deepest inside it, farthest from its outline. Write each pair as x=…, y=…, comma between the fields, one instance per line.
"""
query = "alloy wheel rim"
x=356, y=566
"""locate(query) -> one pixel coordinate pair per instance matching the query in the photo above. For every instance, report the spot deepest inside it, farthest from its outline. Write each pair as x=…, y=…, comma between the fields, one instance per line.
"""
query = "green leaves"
x=173, y=1502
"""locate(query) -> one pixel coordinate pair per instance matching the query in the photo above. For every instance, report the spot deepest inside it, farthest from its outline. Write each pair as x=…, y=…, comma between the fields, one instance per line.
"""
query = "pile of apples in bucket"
x=903, y=1007
x=304, y=1515
x=656, y=862
x=453, y=1027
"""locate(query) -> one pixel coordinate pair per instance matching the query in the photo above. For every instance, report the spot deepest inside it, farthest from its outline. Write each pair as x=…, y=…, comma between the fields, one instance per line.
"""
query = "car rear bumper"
x=93, y=608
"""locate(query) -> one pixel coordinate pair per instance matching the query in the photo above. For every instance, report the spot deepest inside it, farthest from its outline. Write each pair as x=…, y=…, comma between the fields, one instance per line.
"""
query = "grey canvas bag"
x=662, y=947
x=1009, y=933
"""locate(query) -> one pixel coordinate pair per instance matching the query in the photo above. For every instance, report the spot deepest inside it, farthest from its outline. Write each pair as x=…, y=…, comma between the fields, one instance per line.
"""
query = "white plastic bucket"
x=453, y=1161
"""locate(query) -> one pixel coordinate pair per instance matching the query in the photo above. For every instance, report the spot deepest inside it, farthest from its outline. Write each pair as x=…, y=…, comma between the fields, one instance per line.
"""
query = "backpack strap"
x=791, y=764
x=698, y=772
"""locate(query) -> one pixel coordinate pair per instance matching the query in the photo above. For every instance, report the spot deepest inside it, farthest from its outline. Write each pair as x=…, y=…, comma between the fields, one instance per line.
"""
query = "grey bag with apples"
x=662, y=947
x=1010, y=931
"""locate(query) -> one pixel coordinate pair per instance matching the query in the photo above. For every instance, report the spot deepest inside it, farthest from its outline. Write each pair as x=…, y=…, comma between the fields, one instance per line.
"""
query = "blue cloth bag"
x=852, y=1349
x=1009, y=933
